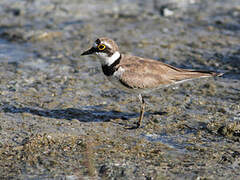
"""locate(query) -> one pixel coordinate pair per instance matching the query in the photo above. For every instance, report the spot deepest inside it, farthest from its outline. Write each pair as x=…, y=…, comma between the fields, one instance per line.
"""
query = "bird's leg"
x=141, y=110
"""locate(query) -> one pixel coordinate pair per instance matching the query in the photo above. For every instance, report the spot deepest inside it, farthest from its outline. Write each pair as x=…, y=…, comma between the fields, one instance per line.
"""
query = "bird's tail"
x=204, y=73
x=184, y=74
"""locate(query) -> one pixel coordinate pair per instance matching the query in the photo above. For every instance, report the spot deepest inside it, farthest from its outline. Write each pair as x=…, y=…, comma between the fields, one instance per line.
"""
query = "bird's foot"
x=135, y=126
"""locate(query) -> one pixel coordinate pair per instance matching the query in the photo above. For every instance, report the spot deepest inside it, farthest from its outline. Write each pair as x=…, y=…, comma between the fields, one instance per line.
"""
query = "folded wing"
x=147, y=73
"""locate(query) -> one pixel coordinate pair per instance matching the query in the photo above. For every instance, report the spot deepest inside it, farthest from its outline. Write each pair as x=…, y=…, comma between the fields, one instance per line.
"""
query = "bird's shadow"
x=86, y=114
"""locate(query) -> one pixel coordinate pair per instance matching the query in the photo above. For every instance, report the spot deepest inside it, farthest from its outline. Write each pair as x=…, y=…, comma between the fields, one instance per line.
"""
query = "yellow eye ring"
x=101, y=47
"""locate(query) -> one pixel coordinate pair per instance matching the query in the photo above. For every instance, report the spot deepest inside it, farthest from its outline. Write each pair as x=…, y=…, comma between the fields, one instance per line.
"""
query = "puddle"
x=170, y=141
x=11, y=52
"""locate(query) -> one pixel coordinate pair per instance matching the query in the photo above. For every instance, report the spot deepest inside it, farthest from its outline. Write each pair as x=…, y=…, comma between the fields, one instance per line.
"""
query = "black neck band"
x=110, y=70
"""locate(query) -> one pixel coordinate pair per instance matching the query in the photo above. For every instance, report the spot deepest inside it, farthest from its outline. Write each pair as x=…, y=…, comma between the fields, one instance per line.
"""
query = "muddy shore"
x=61, y=119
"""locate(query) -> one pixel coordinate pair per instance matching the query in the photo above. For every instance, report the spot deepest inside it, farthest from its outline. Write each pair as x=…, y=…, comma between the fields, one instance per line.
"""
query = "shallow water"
x=13, y=52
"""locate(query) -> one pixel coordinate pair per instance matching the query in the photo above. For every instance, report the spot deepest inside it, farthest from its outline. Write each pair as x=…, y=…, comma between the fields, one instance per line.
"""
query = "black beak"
x=90, y=51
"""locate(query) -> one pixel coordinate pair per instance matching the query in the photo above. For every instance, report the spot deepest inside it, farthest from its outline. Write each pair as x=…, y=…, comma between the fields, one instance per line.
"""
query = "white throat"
x=105, y=60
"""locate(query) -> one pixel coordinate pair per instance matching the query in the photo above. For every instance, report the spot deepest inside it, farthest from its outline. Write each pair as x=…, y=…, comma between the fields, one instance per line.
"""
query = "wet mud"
x=61, y=118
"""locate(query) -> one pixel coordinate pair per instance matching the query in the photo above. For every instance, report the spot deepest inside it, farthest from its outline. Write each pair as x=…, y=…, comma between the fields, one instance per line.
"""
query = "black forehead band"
x=98, y=41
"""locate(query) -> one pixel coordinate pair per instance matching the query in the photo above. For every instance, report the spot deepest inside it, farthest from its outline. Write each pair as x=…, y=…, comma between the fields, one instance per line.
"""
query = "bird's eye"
x=101, y=47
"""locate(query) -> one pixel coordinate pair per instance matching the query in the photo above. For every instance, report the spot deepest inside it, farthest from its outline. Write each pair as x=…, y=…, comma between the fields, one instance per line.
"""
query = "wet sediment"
x=60, y=118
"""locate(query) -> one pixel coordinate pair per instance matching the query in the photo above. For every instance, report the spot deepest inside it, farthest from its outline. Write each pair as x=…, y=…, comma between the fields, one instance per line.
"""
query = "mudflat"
x=61, y=119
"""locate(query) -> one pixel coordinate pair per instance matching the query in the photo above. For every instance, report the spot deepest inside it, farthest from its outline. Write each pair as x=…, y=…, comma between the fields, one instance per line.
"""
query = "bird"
x=139, y=75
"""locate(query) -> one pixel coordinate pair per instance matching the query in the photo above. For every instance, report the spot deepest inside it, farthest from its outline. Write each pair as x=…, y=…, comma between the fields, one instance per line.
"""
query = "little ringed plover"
x=136, y=74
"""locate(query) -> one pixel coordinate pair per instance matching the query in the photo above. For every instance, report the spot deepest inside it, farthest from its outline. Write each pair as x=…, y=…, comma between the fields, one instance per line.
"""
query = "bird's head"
x=106, y=49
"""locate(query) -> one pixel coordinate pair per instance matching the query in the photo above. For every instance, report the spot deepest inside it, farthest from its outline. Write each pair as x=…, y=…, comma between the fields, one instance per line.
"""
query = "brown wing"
x=148, y=73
